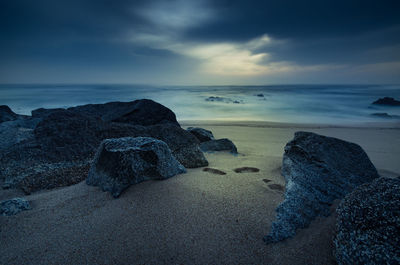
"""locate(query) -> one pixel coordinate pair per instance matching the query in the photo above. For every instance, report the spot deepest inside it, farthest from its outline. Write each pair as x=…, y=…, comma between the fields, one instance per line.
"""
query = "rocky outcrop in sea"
x=388, y=101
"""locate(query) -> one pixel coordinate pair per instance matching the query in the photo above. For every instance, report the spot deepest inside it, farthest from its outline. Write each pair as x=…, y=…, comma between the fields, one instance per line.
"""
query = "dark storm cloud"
x=298, y=19
x=143, y=35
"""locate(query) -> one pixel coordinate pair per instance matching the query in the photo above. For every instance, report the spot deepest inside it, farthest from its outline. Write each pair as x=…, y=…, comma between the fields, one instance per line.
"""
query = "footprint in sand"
x=276, y=187
x=214, y=171
x=246, y=170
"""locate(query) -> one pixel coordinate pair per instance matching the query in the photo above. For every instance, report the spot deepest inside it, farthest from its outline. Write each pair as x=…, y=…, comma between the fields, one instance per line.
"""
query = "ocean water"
x=326, y=104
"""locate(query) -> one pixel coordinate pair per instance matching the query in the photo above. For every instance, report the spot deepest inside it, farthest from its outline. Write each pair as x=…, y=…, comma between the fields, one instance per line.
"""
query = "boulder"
x=64, y=134
x=317, y=170
x=16, y=131
x=14, y=206
x=368, y=224
x=139, y=112
x=42, y=112
x=201, y=134
x=6, y=114
x=120, y=163
x=388, y=101
x=184, y=146
x=218, y=145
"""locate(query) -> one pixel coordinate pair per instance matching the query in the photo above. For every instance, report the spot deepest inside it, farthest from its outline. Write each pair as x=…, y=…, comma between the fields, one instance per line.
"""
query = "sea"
x=311, y=104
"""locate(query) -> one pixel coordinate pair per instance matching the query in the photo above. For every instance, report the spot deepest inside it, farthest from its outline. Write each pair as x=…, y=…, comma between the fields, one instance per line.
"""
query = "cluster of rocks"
x=388, y=102
x=223, y=99
x=55, y=147
x=319, y=170
x=209, y=144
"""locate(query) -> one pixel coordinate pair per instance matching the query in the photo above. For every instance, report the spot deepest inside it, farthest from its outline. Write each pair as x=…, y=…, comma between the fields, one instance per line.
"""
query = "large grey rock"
x=121, y=162
x=139, y=112
x=219, y=145
x=14, y=206
x=184, y=146
x=201, y=134
x=317, y=171
x=368, y=224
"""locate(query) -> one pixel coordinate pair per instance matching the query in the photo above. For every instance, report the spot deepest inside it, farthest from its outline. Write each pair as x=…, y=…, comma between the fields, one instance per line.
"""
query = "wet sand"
x=195, y=218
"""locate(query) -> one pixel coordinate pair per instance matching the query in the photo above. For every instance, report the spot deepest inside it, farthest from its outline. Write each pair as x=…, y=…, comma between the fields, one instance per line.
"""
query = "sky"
x=200, y=42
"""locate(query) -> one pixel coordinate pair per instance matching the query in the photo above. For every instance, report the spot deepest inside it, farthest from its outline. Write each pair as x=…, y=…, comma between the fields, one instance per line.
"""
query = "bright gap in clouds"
x=226, y=58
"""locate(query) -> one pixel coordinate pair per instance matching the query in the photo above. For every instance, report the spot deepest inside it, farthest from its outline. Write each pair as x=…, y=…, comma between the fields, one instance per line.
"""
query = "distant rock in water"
x=223, y=99
x=368, y=224
x=260, y=95
x=14, y=206
x=219, y=145
x=6, y=114
x=201, y=134
x=121, y=162
x=388, y=101
x=385, y=115
x=317, y=170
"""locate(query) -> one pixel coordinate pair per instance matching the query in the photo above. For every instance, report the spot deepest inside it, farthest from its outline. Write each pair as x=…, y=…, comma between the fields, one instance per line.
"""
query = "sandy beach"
x=193, y=218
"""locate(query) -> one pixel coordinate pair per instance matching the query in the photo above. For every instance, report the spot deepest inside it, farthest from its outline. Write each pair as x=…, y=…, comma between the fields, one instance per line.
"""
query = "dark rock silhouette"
x=139, y=112
x=201, y=134
x=6, y=114
x=122, y=162
x=14, y=206
x=388, y=101
x=368, y=224
x=385, y=115
x=317, y=170
x=219, y=145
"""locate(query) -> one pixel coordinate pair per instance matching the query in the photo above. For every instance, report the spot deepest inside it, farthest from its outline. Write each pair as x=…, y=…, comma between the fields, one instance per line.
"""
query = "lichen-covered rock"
x=317, y=170
x=14, y=206
x=219, y=145
x=201, y=134
x=121, y=162
x=368, y=224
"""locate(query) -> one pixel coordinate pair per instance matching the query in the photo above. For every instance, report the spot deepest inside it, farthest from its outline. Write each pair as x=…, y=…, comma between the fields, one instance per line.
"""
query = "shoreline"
x=271, y=124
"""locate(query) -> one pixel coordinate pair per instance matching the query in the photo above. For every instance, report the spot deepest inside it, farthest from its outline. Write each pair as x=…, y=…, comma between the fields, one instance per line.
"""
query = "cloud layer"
x=199, y=42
